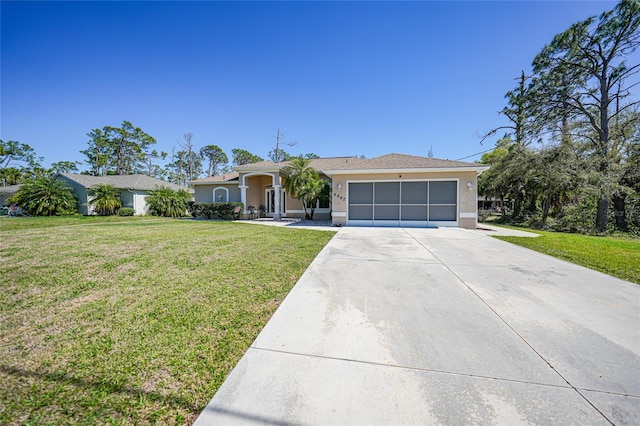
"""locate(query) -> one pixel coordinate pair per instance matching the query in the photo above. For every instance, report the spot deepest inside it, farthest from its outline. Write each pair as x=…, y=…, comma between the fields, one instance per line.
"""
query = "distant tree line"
x=570, y=155
x=128, y=149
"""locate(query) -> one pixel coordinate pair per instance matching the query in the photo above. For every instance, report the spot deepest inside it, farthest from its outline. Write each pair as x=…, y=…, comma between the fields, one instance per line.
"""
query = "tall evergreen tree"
x=117, y=150
x=215, y=157
x=241, y=156
x=592, y=56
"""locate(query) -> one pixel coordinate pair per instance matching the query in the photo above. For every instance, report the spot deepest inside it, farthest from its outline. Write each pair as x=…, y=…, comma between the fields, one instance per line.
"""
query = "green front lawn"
x=133, y=321
x=617, y=256
x=9, y=223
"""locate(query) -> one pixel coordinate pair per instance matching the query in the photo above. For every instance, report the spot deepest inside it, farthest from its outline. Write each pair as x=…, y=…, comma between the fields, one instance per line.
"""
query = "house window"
x=221, y=194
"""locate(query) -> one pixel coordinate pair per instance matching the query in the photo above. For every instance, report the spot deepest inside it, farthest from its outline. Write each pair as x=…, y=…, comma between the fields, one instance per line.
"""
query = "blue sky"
x=340, y=78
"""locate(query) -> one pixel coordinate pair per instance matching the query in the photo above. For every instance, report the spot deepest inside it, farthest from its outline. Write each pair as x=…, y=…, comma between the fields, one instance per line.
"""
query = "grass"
x=13, y=223
x=614, y=255
x=131, y=321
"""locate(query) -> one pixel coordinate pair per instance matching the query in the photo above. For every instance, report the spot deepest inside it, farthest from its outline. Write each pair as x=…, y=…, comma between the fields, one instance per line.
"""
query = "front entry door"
x=270, y=196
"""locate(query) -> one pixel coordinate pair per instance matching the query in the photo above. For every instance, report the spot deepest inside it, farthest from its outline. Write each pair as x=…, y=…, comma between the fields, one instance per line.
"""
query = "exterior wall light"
x=470, y=185
x=339, y=187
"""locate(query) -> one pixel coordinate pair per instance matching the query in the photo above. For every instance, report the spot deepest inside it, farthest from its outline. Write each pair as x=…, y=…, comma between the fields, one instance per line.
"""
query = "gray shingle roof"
x=316, y=163
x=138, y=182
x=227, y=177
x=399, y=161
x=384, y=162
x=9, y=189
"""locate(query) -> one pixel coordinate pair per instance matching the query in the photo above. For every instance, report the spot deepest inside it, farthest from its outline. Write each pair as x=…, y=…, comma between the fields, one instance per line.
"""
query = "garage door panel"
x=442, y=213
x=360, y=212
x=387, y=193
x=444, y=192
x=361, y=193
x=414, y=212
x=386, y=212
x=414, y=193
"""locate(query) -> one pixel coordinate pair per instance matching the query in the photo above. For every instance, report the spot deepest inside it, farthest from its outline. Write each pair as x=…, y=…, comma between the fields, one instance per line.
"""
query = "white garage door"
x=421, y=203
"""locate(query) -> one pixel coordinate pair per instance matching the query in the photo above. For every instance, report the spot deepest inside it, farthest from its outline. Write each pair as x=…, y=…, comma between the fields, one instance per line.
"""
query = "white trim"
x=223, y=188
x=415, y=170
x=243, y=177
x=468, y=215
x=338, y=214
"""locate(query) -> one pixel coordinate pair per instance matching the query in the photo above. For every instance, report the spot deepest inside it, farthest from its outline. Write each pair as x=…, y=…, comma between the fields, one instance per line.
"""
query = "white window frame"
x=215, y=200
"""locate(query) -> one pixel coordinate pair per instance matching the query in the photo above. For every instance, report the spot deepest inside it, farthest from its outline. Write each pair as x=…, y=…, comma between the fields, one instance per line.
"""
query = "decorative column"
x=276, y=213
x=243, y=197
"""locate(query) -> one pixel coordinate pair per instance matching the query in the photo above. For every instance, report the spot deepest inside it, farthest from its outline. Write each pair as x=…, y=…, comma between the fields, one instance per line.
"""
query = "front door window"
x=270, y=196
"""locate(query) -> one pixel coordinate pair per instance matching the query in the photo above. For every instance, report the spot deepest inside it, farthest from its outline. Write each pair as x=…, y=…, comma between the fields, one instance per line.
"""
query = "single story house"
x=390, y=190
x=133, y=189
x=7, y=192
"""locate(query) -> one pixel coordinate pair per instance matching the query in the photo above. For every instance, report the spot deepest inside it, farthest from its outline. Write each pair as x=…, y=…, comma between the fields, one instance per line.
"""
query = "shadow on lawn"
x=173, y=401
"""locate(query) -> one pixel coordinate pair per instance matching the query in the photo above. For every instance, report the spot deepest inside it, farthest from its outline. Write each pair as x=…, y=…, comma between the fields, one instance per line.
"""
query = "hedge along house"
x=133, y=189
x=391, y=190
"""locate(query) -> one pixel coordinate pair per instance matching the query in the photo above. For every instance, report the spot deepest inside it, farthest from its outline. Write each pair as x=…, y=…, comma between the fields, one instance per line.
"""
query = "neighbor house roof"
x=225, y=178
x=137, y=182
x=9, y=189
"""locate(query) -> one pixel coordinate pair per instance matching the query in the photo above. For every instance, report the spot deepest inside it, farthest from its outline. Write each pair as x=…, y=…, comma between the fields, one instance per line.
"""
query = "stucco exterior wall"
x=467, y=199
x=204, y=193
x=83, y=197
x=256, y=189
x=140, y=203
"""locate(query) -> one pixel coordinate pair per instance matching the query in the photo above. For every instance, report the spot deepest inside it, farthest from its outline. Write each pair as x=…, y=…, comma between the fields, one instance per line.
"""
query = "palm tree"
x=303, y=182
x=167, y=202
x=46, y=196
x=105, y=199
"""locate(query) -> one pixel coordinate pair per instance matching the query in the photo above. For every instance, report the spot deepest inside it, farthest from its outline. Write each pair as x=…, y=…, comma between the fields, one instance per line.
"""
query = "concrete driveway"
x=440, y=326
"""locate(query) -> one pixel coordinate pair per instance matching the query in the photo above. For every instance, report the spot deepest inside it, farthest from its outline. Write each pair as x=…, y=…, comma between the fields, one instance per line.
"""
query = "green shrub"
x=167, y=202
x=46, y=196
x=575, y=218
x=216, y=210
x=126, y=211
x=105, y=199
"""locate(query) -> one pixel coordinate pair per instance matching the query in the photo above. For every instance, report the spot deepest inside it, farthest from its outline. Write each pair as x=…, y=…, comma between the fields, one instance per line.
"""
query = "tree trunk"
x=619, y=202
x=517, y=205
x=601, y=215
x=545, y=207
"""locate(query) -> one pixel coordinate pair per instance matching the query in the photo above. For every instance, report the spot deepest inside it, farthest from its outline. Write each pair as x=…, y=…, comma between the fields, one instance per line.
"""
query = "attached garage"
x=404, y=190
x=420, y=203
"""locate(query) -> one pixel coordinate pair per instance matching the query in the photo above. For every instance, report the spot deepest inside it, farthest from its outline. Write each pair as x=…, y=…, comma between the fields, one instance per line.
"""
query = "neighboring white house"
x=133, y=189
x=390, y=190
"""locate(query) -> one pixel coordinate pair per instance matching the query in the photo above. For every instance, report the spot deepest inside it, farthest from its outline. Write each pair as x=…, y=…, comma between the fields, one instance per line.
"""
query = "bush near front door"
x=216, y=210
